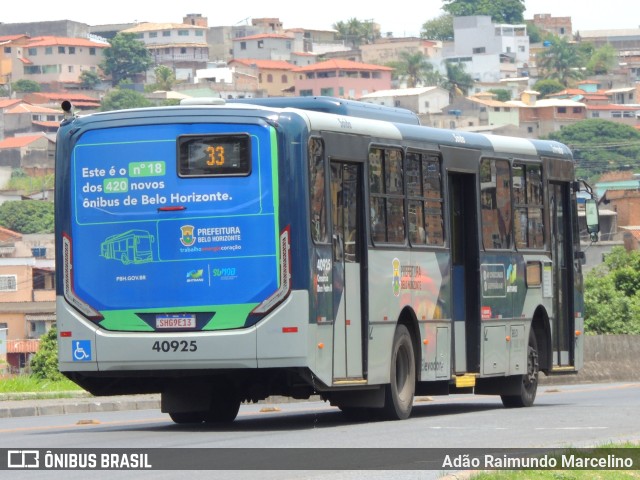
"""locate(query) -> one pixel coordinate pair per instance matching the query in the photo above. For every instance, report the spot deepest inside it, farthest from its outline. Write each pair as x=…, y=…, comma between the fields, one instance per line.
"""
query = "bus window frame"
x=325, y=195
x=543, y=206
x=385, y=195
x=511, y=232
x=437, y=155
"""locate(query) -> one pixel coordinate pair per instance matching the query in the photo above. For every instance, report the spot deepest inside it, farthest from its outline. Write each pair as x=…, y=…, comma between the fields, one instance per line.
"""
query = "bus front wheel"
x=400, y=391
x=529, y=384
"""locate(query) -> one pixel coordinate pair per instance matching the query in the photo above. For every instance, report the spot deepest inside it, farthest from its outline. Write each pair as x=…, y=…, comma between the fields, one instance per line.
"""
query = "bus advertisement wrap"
x=179, y=240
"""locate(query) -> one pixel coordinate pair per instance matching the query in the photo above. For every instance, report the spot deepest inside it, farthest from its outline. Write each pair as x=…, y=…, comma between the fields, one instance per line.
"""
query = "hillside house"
x=341, y=78
x=421, y=100
x=32, y=153
x=180, y=46
x=27, y=293
x=275, y=77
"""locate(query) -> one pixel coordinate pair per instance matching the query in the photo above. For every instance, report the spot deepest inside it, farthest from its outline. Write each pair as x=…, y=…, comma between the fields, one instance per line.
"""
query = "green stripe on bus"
x=225, y=317
x=276, y=196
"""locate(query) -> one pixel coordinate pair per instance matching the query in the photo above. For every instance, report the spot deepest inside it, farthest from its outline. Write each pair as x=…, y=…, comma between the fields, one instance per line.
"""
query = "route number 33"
x=216, y=155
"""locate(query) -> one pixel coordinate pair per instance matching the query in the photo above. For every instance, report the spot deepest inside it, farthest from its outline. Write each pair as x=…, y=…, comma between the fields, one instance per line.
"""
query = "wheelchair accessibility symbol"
x=81, y=350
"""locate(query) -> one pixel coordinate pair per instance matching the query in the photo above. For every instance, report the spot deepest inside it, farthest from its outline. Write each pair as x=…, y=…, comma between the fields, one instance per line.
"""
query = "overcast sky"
x=402, y=17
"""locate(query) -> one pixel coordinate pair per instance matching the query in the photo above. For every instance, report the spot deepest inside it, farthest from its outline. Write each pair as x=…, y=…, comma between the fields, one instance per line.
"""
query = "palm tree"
x=561, y=60
x=415, y=70
x=356, y=32
x=457, y=80
x=165, y=78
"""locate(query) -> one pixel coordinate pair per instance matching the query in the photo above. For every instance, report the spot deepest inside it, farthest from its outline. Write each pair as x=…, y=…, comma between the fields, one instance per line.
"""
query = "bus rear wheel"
x=529, y=384
x=225, y=404
x=400, y=391
x=187, y=417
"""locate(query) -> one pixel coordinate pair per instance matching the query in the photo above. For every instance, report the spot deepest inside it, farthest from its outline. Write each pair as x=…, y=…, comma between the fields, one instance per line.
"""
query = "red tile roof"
x=68, y=96
x=50, y=124
x=612, y=106
x=22, y=346
x=7, y=235
x=18, y=142
x=265, y=64
x=27, y=108
x=49, y=41
x=9, y=102
x=11, y=38
x=265, y=35
x=339, y=64
x=567, y=91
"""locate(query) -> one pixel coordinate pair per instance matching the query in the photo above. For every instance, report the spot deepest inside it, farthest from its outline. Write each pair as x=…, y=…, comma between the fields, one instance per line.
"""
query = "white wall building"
x=489, y=51
x=421, y=100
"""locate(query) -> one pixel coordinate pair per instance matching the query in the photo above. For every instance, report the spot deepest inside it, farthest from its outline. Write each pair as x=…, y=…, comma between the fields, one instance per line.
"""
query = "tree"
x=356, y=32
x=500, y=11
x=534, y=33
x=457, y=81
x=439, y=28
x=612, y=294
x=602, y=60
x=502, y=94
x=27, y=216
x=123, y=98
x=561, y=60
x=601, y=145
x=44, y=364
x=89, y=79
x=414, y=69
x=165, y=78
x=25, y=86
x=548, y=86
x=125, y=58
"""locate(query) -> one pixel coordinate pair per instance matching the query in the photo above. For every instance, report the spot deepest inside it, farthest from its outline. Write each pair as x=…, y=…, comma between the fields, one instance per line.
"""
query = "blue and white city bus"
x=222, y=253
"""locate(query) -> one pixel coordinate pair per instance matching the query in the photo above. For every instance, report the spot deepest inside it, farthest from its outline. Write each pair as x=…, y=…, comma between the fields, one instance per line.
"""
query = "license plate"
x=175, y=321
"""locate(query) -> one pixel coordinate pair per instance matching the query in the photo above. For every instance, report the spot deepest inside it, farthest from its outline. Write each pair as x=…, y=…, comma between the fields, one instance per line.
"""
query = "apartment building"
x=542, y=117
x=268, y=46
x=53, y=60
x=488, y=51
x=275, y=77
x=27, y=293
x=341, y=78
x=182, y=47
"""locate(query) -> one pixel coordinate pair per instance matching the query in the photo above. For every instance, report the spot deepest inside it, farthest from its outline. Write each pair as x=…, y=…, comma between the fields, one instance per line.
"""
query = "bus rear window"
x=214, y=155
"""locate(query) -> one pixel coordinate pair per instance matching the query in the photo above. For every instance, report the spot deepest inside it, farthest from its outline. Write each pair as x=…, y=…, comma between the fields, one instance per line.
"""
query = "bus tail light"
x=69, y=294
x=285, y=276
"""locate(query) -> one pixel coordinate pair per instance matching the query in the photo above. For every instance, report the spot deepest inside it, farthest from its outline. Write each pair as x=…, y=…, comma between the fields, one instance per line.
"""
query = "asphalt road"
x=564, y=415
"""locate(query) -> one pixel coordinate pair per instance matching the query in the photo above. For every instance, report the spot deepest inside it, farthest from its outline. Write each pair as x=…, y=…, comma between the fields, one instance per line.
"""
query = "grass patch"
x=29, y=184
x=602, y=451
x=32, y=384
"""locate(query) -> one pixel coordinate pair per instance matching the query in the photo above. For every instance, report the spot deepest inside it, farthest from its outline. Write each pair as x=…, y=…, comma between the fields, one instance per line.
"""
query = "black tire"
x=357, y=414
x=529, y=384
x=401, y=389
x=224, y=407
x=187, y=417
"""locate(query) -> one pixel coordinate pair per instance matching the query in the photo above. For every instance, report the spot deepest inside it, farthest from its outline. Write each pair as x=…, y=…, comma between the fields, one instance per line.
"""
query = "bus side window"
x=318, y=214
x=497, y=217
x=424, y=191
x=528, y=204
x=386, y=184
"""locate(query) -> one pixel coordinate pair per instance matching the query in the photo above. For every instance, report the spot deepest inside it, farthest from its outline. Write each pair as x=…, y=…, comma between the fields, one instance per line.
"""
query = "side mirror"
x=593, y=219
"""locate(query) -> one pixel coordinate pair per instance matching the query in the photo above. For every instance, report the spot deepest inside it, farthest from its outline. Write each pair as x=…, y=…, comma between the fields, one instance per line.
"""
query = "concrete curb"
x=62, y=406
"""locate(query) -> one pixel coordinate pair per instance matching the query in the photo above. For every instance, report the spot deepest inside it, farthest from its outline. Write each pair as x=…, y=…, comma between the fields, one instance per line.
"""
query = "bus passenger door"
x=464, y=272
x=346, y=179
x=562, y=261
